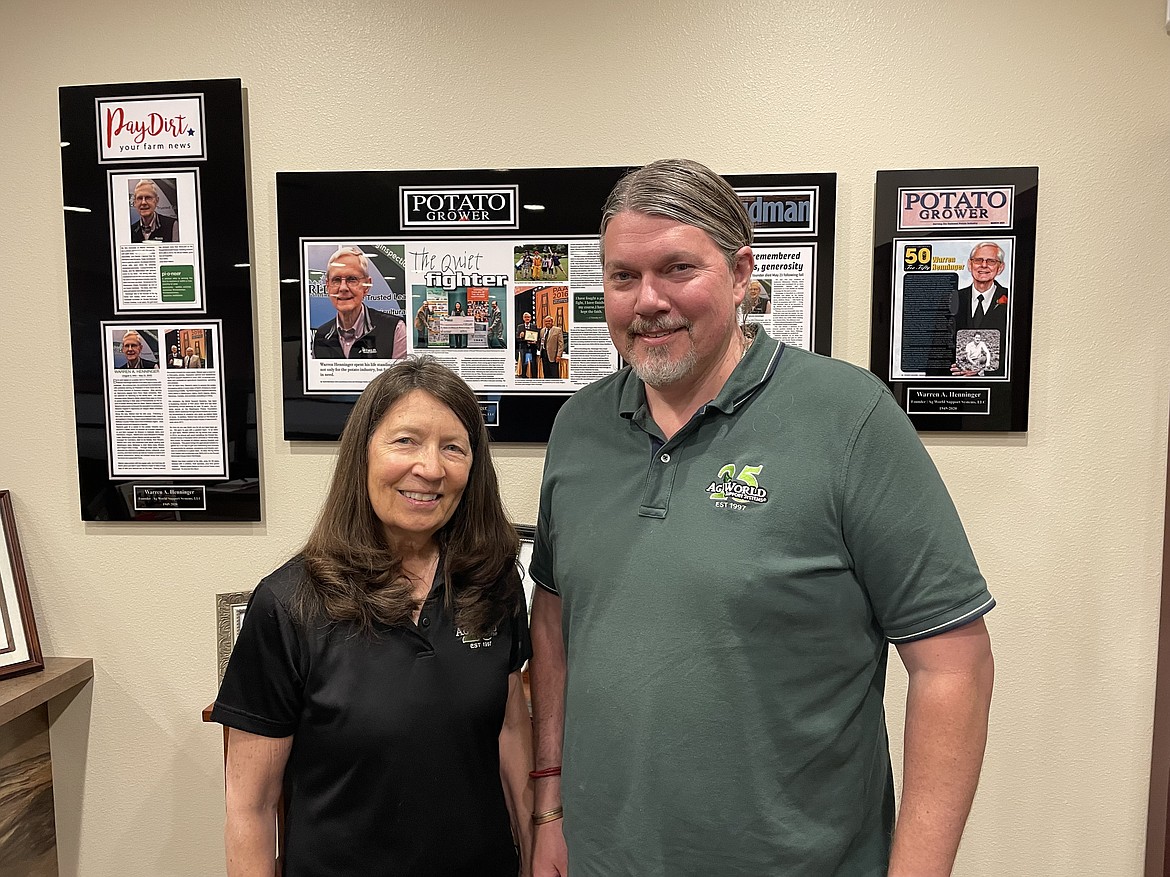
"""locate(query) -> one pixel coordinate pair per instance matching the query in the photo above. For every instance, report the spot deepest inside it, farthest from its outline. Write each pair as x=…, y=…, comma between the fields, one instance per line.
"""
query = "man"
x=175, y=360
x=551, y=347
x=759, y=299
x=358, y=331
x=151, y=225
x=730, y=534
x=132, y=350
x=526, y=339
x=978, y=354
x=495, y=329
x=422, y=326
x=984, y=304
x=192, y=360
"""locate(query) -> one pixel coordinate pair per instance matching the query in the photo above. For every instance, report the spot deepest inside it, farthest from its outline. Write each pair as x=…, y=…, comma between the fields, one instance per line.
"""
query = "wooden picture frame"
x=229, y=615
x=527, y=534
x=20, y=649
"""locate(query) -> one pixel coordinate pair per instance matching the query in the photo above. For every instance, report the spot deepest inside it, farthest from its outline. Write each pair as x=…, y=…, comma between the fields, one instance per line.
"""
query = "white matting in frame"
x=162, y=270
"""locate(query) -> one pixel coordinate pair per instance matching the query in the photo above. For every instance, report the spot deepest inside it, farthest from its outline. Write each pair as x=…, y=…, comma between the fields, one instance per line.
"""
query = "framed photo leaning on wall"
x=20, y=650
x=229, y=618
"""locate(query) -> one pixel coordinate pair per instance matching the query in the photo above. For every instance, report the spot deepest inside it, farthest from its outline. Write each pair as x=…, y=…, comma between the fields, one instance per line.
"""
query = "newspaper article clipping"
x=155, y=217
x=506, y=315
x=164, y=400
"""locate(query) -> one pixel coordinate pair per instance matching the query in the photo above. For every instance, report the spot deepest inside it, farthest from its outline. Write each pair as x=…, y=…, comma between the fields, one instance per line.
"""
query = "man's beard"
x=654, y=366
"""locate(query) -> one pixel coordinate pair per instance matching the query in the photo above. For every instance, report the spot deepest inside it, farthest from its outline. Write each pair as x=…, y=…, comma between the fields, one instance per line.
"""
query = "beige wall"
x=1066, y=520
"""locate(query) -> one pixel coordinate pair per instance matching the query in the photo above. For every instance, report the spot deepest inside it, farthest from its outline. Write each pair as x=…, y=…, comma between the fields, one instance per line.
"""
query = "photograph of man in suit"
x=192, y=360
x=526, y=347
x=551, y=348
x=151, y=225
x=358, y=331
x=495, y=329
x=984, y=304
x=132, y=349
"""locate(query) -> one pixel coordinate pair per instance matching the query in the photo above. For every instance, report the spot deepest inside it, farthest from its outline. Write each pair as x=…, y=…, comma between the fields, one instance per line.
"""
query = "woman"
x=458, y=339
x=376, y=680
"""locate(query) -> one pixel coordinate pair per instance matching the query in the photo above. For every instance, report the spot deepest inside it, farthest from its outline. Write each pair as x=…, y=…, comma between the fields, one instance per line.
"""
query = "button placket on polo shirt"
x=663, y=469
x=421, y=630
x=659, y=484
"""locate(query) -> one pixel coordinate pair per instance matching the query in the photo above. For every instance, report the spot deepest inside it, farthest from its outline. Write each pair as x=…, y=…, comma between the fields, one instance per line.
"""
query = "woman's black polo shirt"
x=394, y=768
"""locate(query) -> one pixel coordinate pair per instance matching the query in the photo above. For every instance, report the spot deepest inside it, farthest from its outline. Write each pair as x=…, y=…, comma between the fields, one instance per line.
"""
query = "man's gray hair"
x=687, y=192
x=153, y=188
x=977, y=247
x=131, y=333
x=363, y=259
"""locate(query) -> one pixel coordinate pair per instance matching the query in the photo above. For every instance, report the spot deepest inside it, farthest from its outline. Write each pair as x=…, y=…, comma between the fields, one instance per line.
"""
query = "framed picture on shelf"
x=20, y=650
x=229, y=618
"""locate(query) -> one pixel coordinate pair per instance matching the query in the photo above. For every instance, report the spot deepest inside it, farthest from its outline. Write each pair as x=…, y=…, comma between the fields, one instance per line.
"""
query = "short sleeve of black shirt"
x=262, y=691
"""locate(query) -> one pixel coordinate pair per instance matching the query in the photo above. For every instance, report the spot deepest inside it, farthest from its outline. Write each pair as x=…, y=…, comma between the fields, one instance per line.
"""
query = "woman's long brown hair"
x=352, y=574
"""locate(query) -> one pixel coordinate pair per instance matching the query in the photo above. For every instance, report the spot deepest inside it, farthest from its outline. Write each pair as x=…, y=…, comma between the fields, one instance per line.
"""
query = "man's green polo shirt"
x=728, y=600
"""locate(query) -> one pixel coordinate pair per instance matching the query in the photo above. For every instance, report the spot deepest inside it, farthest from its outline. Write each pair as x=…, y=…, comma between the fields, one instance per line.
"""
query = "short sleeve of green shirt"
x=540, y=568
x=909, y=550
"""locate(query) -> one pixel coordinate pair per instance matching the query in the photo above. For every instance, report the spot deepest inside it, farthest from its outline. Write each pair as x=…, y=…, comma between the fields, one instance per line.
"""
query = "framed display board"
x=953, y=270
x=160, y=301
x=497, y=274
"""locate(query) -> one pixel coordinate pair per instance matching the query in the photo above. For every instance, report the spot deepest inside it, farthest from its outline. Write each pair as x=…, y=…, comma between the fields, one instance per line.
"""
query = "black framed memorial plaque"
x=378, y=265
x=160, y=300
x=954, y=270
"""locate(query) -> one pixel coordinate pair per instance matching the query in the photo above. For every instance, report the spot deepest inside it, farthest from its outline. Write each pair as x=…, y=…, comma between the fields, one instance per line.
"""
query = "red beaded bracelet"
x=545, y=772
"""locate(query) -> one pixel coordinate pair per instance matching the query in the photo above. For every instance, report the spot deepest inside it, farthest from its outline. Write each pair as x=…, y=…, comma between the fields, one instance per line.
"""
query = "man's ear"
x=741, y=272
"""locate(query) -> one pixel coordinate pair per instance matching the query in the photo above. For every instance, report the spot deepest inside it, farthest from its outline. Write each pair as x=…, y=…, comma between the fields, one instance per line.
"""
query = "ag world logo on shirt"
x=737, y=491
x=475, y=642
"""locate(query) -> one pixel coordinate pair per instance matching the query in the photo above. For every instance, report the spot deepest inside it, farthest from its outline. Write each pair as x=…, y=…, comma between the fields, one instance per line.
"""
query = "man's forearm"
x=946, y=733
x=547, y=673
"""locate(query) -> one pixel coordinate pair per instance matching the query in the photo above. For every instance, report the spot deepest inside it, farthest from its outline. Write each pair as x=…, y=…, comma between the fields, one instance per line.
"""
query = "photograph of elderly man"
x=152, y=224
x=136, y=353
x=357, y=330
x=984, y=303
